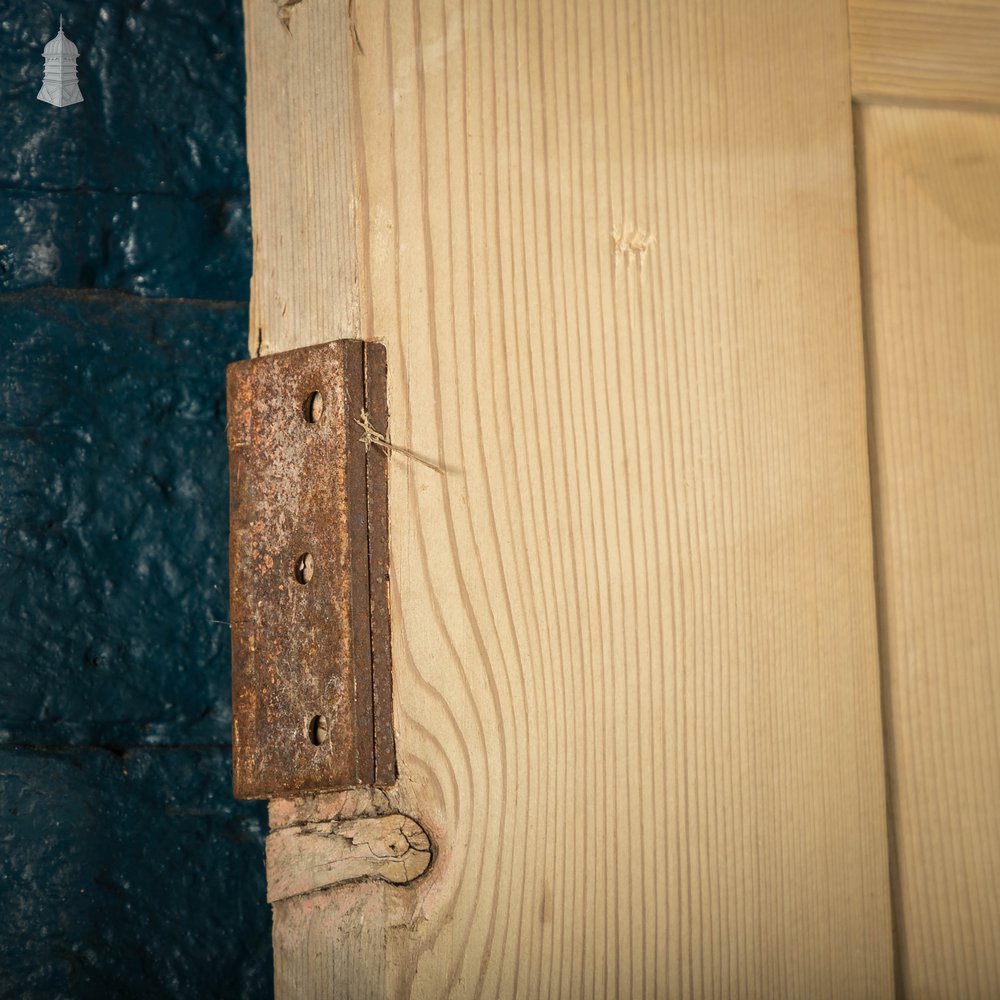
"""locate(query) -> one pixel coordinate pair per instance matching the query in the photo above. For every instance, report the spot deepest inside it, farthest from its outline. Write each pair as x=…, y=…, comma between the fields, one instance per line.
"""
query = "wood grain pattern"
x=313, y=856
x=932, y=204
x=611, y=250
x=305, y=271
x=937, y=51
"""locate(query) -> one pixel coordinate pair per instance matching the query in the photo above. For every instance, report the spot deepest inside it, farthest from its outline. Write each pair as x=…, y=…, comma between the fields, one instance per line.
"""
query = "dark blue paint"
x=128, y=875
x=126, y=868
x=146, y=244
x=163, y=90
x=114, y=522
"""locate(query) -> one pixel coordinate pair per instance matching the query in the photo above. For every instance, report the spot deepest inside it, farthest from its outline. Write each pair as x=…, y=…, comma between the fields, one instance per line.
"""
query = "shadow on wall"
x=126, y=868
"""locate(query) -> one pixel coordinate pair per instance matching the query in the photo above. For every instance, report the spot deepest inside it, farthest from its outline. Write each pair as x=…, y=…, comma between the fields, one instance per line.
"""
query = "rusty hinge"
x=309, y=571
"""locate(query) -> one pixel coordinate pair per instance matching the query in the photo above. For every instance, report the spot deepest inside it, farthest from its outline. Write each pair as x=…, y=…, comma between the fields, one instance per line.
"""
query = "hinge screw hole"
x=304, y=567
x=319, y=730
x=312, y=409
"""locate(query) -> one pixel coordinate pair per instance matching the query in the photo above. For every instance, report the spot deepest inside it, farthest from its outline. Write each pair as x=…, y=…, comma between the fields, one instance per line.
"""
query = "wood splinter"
x=302, y=859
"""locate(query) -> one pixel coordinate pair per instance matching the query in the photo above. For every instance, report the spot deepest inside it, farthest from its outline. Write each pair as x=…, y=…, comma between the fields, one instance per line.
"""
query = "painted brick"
x=113, y=514
x=146, y=244
x=129, y=875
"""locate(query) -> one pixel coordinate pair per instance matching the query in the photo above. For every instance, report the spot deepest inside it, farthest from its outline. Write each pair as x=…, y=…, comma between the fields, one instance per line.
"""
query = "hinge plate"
x=309, y=571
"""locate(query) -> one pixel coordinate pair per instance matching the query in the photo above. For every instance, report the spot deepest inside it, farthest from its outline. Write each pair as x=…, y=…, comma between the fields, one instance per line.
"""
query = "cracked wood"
x=315, y=856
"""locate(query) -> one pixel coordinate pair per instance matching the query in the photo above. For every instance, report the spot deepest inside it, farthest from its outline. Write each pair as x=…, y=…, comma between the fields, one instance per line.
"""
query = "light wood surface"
x=932, y=203
x=313, y=856
x=928, y=51
x=611, y=249
x=300, y=149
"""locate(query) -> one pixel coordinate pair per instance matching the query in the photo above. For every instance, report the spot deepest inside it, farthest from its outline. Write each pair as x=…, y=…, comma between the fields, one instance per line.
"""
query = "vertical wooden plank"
x=932, y=211
x=331, y=944
x=611, y=251
x=300, y=152
x=928, y=51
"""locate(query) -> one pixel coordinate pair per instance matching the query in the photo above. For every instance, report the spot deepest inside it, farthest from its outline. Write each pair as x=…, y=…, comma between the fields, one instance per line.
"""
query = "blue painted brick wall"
x=126, y=868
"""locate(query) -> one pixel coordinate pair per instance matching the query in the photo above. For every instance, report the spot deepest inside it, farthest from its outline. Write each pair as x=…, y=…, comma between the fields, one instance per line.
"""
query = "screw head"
x=312, y=409
x=304, y=567
x=319, y=730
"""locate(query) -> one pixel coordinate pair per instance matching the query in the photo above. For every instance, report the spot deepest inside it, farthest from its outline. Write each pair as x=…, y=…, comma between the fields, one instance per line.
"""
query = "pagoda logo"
x=60, y=86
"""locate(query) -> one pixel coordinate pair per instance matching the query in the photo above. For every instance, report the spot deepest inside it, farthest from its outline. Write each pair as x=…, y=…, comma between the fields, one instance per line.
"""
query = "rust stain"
x=377, y=466
x=308, y=558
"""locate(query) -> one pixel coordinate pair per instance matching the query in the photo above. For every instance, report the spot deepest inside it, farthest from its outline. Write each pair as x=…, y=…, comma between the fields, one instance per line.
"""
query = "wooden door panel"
x=611, y=250
x=931, y=185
